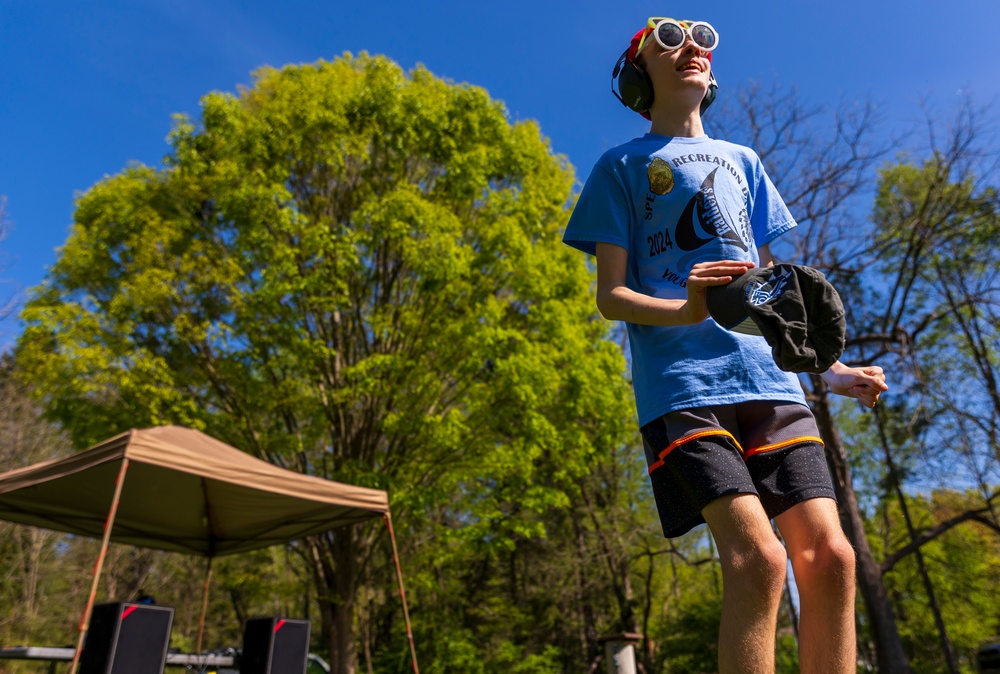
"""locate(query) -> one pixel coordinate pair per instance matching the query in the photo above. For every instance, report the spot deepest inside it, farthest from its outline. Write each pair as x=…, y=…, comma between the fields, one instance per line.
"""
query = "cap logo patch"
x=761, y=292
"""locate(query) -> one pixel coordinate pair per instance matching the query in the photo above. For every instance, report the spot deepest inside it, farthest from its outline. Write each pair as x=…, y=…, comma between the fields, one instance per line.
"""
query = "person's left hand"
x=864, y=383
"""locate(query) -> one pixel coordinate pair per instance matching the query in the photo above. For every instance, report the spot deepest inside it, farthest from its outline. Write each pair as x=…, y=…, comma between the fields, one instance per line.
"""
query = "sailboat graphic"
x=711, y=217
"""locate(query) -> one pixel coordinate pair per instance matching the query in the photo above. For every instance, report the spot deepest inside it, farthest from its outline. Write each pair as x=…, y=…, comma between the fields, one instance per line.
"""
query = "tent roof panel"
x=183, y=491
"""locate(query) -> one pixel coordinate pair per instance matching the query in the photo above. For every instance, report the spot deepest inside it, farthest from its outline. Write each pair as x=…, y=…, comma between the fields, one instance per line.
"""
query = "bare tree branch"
x=930, y=534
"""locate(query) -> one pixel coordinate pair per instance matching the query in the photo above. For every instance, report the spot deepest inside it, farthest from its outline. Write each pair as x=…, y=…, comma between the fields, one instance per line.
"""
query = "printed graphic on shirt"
x=661, y=177
x=710, y=216
x=717, y=212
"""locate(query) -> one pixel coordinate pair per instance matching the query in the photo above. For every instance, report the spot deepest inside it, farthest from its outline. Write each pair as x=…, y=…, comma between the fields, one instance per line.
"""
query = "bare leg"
x=823, y=564
x=753, y=575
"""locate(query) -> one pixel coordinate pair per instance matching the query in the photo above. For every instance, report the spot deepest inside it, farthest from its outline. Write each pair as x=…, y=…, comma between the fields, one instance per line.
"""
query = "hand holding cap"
x=793, y=307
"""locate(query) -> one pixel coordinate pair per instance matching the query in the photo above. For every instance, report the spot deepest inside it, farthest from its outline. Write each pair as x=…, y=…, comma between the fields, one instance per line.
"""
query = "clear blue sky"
x=88, y=86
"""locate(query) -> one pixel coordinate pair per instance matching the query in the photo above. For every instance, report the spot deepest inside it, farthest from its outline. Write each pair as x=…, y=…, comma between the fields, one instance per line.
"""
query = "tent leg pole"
x=204, y=606
x=402, y=592
x=99, y=566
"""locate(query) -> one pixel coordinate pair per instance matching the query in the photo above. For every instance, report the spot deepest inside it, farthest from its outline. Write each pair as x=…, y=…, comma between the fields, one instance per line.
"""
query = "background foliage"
x=356, y=272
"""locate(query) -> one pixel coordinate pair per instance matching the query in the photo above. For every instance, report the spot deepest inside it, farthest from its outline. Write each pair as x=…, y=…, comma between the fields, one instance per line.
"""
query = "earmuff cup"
x=713, y=89
x=634, y=87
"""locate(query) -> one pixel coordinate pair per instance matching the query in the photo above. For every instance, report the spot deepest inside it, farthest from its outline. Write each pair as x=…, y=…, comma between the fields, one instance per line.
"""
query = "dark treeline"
x=357, y=273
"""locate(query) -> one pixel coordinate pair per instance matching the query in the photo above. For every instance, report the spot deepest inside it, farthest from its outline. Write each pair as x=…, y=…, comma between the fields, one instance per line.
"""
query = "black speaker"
x=275, y=646
x=127, y=639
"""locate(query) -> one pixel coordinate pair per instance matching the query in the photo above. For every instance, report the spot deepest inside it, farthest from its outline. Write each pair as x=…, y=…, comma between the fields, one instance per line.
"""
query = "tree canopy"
x=352, y=271
x=356, y=272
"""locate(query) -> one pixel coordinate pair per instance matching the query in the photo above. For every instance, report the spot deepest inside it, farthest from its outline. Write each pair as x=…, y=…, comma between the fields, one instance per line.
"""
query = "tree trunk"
x=32, y=543
x=891, y=656
x=585, y=609
x=340, y=592
x=896, y=481
x=334, y=559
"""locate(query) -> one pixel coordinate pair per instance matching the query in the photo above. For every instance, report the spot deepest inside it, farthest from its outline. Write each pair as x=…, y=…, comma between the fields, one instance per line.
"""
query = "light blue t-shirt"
x=674, y=202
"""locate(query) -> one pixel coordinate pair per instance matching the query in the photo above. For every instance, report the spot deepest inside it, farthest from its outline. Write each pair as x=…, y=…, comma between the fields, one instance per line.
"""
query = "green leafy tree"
x=937, y=224
x=922, y=292
x=353, y=272
x=28, y=556
x=963, y=565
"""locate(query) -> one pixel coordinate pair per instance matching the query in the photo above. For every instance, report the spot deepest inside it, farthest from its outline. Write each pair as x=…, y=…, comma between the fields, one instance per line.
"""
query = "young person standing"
x=728, y=436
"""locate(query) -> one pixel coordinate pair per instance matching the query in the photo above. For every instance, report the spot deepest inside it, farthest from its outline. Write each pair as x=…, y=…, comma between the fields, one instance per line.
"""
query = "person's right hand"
x=705, y=275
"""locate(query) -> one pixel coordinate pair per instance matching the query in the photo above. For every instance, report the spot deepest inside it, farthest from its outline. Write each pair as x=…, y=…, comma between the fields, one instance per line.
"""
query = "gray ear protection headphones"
x=635, y=89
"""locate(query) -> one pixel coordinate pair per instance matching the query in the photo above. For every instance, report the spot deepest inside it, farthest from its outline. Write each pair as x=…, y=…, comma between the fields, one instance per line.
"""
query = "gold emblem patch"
x=661, y=177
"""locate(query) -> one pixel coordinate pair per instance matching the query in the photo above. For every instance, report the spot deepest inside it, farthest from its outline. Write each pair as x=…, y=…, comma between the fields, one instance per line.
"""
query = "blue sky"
x=87, y=87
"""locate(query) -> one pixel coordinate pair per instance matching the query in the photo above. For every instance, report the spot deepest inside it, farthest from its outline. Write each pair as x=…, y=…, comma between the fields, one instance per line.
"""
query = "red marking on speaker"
x=277, y=625
x=127, y=611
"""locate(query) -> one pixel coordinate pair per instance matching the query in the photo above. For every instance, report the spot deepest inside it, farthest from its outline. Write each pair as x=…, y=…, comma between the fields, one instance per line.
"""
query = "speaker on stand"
x=275, y=646
x=127, y=638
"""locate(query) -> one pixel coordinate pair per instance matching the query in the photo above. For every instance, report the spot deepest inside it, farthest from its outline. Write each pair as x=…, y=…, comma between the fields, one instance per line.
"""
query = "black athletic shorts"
x=697, y=455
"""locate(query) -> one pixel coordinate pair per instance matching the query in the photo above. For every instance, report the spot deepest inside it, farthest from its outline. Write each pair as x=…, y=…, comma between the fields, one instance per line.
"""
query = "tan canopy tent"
x=177, y=489
x=184, y=492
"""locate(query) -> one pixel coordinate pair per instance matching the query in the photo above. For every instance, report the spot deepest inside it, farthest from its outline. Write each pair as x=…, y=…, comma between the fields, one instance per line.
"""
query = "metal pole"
x=204, y=606
x=108, y=525
x=402, y=593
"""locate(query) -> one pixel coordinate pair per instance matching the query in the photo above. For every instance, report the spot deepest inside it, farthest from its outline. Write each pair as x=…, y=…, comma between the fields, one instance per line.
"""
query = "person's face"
x=678, y=75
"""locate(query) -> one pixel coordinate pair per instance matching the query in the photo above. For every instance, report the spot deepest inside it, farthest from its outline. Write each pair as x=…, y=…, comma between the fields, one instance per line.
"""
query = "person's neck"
x=677, y=122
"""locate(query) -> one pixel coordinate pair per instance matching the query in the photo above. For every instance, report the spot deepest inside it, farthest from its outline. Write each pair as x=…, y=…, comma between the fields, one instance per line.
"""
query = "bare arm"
x=764, y=253
x=617, y=302
x=864, y=383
